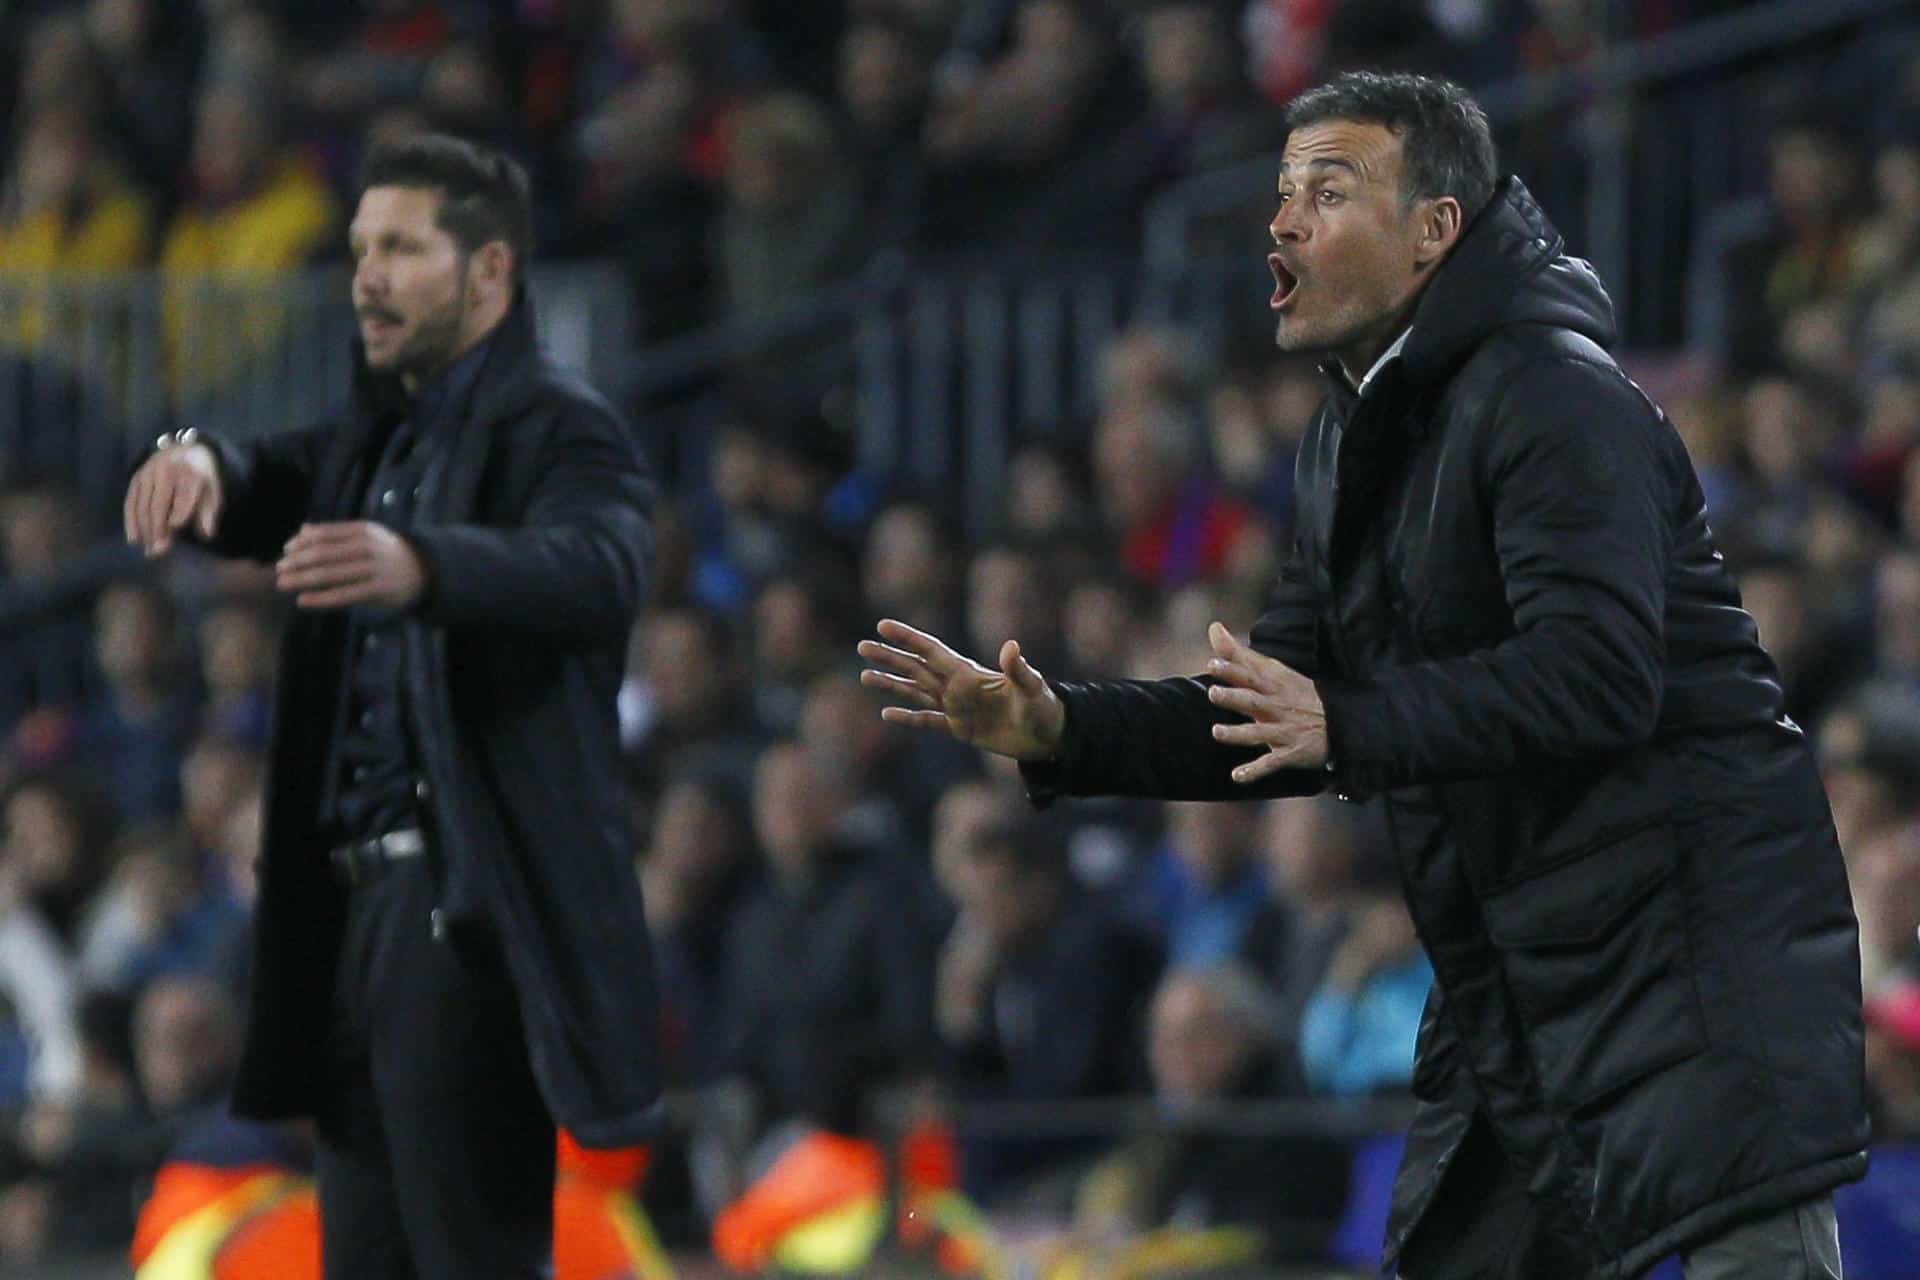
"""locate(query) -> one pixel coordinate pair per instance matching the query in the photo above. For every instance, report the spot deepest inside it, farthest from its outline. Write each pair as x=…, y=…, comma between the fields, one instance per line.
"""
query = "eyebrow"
x=1325, y=162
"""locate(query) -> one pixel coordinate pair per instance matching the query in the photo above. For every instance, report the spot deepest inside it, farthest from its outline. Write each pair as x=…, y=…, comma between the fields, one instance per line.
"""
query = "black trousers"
x=435, y=1151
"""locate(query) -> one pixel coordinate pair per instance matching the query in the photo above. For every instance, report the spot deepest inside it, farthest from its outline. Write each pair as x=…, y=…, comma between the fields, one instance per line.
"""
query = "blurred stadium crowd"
x=839, y=906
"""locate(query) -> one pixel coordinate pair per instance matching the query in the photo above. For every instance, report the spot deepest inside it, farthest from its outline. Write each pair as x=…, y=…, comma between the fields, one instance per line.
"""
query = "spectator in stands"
x=66, y=209
x=792, y=212
x=799, y=623
x=142, y=48
x=163, y=913
x=1048, y=496
x=1357, y=1033
x=885, y=88
x=237, y=648
x=1172, y=523
x=1201, y=112
x=1893, y=1060
x=697, y=868
x=906, y=570
x=1206, y=885
x=387, y=56
x=1884, y=871
x=1812, y=252
x=55, y=848
x=1211, y=1039
x=256, y=208
x=1010, y=592
x=1896, y=617
x=1102, y=624
x=136, y=729
x=1029, y=149
x=1039, y=992
x=827, y=978
x=42, y=1048
x=1890, y=247
x=39, y=529
x=692, y=683
x=1321, y=857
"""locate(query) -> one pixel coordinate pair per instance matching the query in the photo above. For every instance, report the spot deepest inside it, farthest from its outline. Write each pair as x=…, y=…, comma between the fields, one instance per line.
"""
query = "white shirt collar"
x=1381, y=363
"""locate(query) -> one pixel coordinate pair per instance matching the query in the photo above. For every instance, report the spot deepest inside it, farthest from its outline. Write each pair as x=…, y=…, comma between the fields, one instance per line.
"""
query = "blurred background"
x=951, y=311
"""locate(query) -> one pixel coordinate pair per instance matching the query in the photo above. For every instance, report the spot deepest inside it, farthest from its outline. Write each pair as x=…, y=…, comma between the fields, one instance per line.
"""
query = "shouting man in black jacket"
x=449, y=950
x=1505, y=616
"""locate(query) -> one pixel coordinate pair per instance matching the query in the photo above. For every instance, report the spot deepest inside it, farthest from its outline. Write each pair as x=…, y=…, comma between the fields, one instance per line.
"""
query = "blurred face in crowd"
x=236, y=651
x=686, y=680
x=229, y=145
x=1004, y=900
x=787, y=639
x=1897, y=613
x=882, y=79
x=904, y=567
x=131, y=635
x=421, y=299
x=840, y=724
x=56, y=152
x=1810, y=175
x=1781, y=430
x=1213, y=841
x=1042, y=495
x=1893, y=412
x=185, y=1042
x=1776, y=598
x=1138, y=464
x=38, y=530
x=120, y=27
x=1896, y=180
x=795, y=807
x=43, y=838
x=1006, y=600
x=963, y=814
x=1188, y=56
x=1307, y=855
x=1100, y=627
x=1349, y=254
x=215, y=777
x=1195, y=1045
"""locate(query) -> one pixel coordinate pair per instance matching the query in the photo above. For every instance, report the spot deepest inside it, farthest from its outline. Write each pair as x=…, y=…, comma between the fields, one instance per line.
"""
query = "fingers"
x=1221, y=641
x=332, y=534
x=929, y=649
x=129, y=507
x=897, y=661
x=153, y=510
x=320, y=576
x=1246, y=702
x=1249, y=735
x=339, y=597
x=1270, y=763
x=208, y=522
x=905, y=690
x=916, y=719
x=1020, y=671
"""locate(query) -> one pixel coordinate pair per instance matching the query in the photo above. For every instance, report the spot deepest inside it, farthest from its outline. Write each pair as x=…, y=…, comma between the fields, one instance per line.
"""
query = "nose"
x=1286, y=228
x=368, y=280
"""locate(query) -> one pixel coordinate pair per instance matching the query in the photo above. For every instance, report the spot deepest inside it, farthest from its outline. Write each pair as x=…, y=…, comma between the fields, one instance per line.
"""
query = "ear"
x=1441, y=223
x=493, y=265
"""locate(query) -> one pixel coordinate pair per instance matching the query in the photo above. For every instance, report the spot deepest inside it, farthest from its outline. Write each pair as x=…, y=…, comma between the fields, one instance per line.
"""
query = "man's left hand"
x=1284, y=707
x=334, y=566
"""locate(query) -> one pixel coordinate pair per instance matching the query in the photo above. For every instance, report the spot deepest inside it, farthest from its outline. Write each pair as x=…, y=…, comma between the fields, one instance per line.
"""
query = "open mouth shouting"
x=1286, y=283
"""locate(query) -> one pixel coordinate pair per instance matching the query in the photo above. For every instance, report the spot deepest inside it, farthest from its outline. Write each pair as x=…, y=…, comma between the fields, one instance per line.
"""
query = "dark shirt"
x=374, y=784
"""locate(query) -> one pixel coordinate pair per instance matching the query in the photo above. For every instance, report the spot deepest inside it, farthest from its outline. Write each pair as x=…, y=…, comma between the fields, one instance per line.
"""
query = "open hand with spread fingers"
x=1010, y=711
x=1282, y=707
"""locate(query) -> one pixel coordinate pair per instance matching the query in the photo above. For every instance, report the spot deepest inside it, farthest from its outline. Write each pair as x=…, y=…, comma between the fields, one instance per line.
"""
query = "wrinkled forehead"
x=1359, y=149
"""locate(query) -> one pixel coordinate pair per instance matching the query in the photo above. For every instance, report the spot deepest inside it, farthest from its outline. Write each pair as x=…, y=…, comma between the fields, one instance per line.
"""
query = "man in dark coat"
x=1506, y=617
x=450, y=953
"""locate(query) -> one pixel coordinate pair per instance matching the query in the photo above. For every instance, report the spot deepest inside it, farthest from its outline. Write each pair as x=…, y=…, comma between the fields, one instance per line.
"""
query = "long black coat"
x=1615, y=847
x=538, y=541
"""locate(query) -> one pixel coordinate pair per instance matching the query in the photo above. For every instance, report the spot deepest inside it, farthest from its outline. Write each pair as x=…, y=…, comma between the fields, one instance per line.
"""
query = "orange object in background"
x=262, y=1221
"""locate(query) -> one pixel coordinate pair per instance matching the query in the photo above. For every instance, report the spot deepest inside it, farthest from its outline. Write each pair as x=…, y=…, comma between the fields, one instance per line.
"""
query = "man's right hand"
x=173, y=487
x=1010, y=711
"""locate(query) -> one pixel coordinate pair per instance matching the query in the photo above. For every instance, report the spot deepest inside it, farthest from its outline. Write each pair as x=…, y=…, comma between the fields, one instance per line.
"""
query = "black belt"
x=361, y=860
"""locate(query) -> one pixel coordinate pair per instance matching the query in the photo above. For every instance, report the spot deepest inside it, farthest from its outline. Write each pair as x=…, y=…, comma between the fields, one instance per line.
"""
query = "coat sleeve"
x=1582, y=494
x=266, y=489
x=579, y=559
x=1154, y=738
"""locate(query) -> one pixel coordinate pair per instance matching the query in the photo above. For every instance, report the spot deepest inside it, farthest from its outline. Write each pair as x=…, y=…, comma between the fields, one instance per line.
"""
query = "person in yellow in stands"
x=256, y=212
x=67, y=213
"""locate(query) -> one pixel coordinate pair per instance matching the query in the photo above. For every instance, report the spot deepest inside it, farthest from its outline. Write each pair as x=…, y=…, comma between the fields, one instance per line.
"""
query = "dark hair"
x=484, y=194
x=1444, y=134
